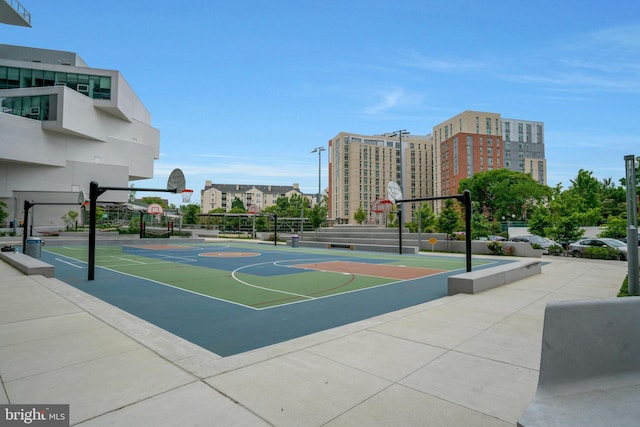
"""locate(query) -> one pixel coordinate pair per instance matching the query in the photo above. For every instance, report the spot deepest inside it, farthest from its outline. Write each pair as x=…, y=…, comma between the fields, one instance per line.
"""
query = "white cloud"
x=389, y=100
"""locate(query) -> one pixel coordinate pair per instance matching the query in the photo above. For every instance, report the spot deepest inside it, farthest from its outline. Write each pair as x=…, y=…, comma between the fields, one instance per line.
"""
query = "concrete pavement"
x=460, y=360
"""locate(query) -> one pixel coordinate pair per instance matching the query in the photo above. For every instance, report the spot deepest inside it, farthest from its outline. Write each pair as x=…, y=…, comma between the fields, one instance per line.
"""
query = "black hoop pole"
x=465, y=198
x=400, y=228
x=275, y=229
x=94, y=192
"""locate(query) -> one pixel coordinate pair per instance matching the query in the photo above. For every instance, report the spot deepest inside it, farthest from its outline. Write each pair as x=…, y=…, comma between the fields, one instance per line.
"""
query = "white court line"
x=233, y=274
x=127, y=260
x=162, y=256
x=69, y=263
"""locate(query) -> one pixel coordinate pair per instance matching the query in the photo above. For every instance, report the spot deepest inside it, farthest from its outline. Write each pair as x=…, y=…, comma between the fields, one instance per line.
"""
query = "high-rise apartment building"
x=361, y=167
x=470, y=142
x=475, y=141
x=524, y=148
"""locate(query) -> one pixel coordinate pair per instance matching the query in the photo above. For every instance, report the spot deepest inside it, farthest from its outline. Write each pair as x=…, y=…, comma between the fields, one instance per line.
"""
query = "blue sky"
x=242, y=91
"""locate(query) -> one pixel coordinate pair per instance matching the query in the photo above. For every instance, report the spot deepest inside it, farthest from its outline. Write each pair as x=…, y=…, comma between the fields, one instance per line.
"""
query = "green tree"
x=237, y=206
x=565, y=229
x=539, y=220
x=132, y=193
x=449, y=220
x=360, y=215
x=503, y=192
x=70, y=219
x=480, y=225
x=318, y=214
x=616, y=228
x=190, y=213
x=614, y=199
x=3, y=212
x=427, y=218
x=157, y=200
x=282, y=204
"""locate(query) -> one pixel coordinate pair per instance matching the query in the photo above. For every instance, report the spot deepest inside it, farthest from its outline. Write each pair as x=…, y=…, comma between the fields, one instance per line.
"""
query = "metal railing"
x=18, y=7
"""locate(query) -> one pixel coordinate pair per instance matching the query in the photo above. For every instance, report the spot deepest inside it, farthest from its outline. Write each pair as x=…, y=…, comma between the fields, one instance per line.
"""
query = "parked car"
x=577, y=249
x=535, y=240
x=496, y=238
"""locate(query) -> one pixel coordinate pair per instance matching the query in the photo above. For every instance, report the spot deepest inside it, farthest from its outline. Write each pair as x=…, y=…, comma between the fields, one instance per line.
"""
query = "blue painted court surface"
x=227, y=327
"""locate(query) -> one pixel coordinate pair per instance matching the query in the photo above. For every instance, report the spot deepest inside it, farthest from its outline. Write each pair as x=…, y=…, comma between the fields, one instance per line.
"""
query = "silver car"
x=578, y=248
x=537, y=240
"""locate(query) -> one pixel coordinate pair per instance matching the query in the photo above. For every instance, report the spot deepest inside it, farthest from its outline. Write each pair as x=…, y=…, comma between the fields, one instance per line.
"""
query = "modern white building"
x=63, y=125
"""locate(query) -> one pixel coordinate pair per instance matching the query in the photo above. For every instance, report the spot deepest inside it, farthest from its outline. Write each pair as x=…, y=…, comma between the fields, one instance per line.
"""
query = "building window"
x=94, y=86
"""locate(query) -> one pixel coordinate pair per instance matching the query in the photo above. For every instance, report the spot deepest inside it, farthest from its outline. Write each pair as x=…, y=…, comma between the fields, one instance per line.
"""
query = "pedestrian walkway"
x=461, y=360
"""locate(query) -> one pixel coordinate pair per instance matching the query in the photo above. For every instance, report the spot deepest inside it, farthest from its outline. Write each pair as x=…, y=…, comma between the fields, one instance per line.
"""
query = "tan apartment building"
x=215, y=196
x=361, y=167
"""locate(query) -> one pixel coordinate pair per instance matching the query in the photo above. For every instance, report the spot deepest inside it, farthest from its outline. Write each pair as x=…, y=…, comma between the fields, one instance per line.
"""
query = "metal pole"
x=25, y=225
x=632, y=263
x=93, y=200
x=632, y=225
x=275, y=230
x=15, y=216
x=466, y=199
x=400, y=228
x=319, y=174
x=319, y=150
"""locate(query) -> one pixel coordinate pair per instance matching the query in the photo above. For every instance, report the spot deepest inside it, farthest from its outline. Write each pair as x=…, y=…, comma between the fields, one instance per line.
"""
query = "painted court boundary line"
x=306, y=298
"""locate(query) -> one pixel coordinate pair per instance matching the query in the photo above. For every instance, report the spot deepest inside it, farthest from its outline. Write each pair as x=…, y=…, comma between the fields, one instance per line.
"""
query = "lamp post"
x=632, y=225
x=399, y=134
x=319, y=150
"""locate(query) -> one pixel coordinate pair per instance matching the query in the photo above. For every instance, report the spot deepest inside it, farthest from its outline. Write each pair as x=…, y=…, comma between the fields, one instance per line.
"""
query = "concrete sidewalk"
x=461, y=360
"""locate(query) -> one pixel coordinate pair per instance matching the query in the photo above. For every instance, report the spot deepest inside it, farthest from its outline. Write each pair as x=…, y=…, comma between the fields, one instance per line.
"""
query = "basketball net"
x=186, y=195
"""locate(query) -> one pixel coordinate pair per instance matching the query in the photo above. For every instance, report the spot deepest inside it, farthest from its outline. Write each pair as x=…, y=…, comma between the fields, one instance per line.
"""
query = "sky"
x=242, y=91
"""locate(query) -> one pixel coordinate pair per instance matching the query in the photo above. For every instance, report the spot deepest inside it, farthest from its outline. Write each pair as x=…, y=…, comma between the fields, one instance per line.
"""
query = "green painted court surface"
x=235, y=297
x=259, y=276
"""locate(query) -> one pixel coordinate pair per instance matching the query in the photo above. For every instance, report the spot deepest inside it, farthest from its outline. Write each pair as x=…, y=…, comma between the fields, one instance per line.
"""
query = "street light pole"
x=399, y=134
x=319, y=150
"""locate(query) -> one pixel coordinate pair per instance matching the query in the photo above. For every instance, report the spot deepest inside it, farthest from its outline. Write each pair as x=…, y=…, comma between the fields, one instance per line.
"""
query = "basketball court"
x=234, y=297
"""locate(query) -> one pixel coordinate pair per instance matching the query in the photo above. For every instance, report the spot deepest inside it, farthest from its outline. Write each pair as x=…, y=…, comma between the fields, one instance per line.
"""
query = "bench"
x=28, y=265
x=589, y=365
x=492, y=277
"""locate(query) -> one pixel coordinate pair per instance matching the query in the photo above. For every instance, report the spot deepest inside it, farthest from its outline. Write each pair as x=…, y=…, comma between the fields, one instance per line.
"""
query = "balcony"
x=12, y=12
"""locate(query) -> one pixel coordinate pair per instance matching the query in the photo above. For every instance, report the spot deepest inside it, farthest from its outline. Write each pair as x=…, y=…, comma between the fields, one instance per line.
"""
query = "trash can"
x=294, y=240
x=33, y=247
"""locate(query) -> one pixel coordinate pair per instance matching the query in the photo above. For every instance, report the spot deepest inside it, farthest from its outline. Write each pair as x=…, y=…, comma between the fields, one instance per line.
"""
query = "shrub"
x=495, y=247
x=510, y=250
x=555, y=250
x=624, y=289
x=601, y=253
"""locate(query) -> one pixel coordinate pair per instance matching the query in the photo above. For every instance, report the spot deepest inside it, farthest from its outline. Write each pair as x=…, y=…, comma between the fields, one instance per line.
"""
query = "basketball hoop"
x=253, y=209
x=186, y=195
